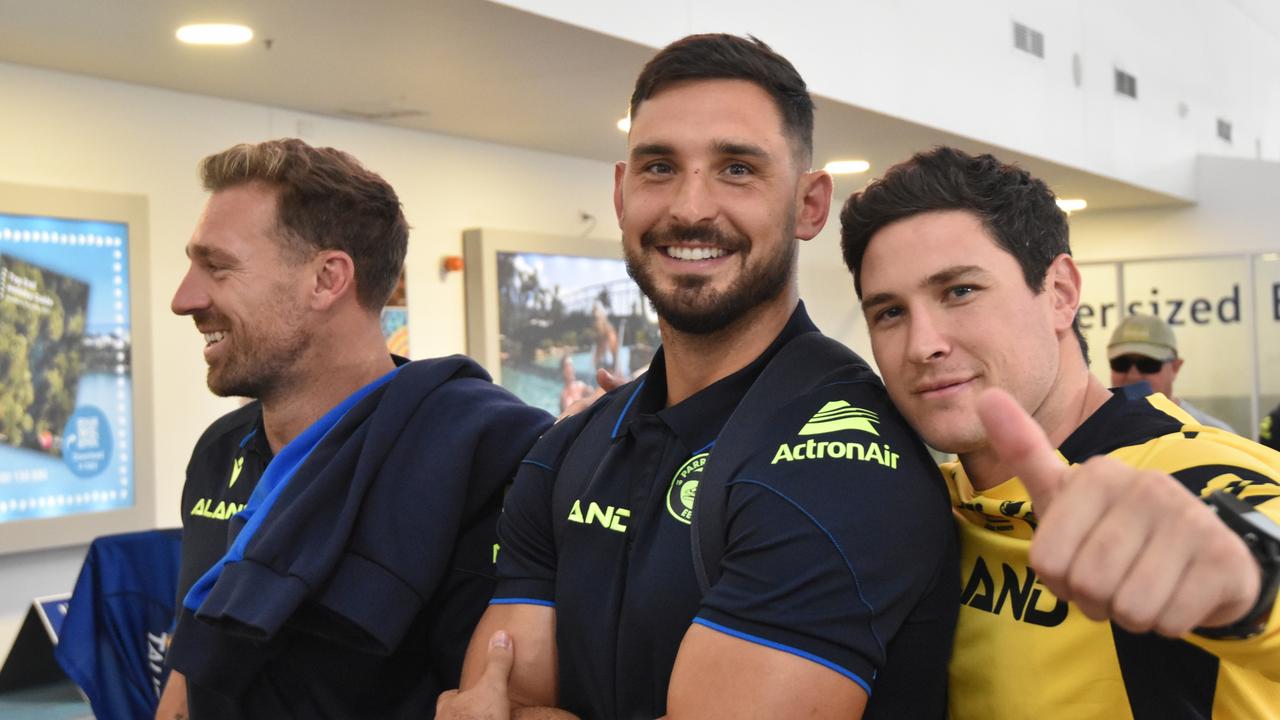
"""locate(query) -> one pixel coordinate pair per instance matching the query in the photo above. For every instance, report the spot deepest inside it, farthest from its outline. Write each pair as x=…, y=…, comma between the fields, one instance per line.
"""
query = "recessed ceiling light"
x=847, y=167
x=625, y=124
x=215, y=34
x=1070, y=205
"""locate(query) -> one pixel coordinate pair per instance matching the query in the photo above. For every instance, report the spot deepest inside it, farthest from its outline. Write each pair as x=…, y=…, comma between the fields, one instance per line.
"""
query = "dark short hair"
x=1019, y=210
x=719, y=56
x=327, y=201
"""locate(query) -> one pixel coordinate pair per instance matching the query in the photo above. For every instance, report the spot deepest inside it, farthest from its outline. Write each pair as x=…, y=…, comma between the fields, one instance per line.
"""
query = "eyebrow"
x=651, y=149
x=204, y=252
x=721, y=147
x=944, y=276
x=728, y=147
x=951, y=274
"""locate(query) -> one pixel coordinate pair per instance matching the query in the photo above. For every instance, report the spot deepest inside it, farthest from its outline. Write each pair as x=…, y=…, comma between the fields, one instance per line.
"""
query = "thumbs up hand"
x=1129, y=545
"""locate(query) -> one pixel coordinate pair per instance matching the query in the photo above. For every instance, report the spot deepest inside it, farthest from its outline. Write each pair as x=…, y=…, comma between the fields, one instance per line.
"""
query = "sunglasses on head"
x=1146, y=365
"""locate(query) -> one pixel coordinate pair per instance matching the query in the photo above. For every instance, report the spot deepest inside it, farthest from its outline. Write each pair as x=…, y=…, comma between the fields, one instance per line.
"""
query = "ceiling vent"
x=380, y=115
x=1028, y=40
x=1224, y=129
x=1126, y=84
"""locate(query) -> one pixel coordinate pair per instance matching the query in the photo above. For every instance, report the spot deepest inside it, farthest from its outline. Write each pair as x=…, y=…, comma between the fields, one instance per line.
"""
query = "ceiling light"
x=847, y=167
x=215, y=34
x=625, y=124
x=1070, y=205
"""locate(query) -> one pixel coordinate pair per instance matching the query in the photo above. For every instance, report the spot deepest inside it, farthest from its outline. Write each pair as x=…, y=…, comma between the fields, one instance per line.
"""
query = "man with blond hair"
x=346, y=584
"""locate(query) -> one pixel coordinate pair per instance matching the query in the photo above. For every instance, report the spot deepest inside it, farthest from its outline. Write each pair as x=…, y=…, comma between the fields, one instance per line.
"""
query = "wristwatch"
x=1261, y=535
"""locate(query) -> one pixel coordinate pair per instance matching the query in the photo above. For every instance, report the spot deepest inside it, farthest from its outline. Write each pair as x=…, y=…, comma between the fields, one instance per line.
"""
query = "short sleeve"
x=835, y=532
x=526, y=565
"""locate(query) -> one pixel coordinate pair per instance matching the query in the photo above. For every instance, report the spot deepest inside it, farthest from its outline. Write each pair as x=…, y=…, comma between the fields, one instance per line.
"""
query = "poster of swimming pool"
x=562, y=316
x=65, y=368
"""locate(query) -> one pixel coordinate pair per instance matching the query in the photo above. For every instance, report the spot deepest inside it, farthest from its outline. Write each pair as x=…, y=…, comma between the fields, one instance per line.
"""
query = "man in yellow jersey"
x=1095, y=582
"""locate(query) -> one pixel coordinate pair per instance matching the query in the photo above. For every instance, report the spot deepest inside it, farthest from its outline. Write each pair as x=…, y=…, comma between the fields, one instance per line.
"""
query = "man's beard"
x=697, y=309
x=260, y=364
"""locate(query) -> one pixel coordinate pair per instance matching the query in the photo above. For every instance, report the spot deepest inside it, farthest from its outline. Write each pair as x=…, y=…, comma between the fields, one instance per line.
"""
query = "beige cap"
x=1145, y=335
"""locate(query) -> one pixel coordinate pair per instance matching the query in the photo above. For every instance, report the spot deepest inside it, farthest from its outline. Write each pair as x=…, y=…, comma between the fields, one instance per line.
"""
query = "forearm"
x=173, y=701
x=533, y=679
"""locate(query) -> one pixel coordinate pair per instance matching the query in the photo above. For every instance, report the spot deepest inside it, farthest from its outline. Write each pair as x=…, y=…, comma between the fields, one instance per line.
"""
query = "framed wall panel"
x=543, y=312
x=75, y=400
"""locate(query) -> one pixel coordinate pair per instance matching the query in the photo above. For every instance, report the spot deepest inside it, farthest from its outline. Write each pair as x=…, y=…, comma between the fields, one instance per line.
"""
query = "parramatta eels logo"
x=684, y=488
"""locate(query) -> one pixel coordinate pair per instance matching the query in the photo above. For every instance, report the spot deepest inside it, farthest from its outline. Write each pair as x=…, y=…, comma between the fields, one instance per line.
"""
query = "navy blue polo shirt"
x=840, y=544
x=224, y=469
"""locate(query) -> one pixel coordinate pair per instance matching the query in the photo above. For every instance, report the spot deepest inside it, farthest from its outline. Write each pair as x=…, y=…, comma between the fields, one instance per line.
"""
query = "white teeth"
x=680, y=252
x=213, y=337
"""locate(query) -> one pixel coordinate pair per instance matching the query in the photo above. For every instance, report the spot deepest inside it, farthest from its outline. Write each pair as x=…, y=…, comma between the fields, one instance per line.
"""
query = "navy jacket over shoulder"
x=387, y=520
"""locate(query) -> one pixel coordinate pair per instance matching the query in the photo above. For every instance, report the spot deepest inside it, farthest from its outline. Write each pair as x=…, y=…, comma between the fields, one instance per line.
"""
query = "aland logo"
x=840, y=415
x=684, y=488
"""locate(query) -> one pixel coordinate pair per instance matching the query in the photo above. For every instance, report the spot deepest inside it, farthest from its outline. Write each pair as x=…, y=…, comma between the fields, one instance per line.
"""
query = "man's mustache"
x=702, y=234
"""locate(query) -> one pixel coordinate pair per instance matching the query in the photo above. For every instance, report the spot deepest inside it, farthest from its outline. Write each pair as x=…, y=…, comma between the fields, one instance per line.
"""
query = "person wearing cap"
x=1144, y=349
x=1269, y=429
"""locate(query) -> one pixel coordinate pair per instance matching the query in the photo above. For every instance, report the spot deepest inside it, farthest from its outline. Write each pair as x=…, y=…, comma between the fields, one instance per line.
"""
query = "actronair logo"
x=817, y=450
x=840, y=415
x=833, y=417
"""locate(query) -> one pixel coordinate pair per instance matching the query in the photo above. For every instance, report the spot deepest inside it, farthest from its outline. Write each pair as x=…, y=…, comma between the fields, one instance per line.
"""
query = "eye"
x=887, y=314
x=738, y=169
x=960, y=292
x=659, y=167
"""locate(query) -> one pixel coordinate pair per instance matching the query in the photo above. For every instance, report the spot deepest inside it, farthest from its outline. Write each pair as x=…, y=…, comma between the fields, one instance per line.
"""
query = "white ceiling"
x=459, y=67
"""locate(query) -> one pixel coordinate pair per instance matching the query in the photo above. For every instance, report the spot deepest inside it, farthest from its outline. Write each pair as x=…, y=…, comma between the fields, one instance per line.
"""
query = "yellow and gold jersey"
x=1022, y=653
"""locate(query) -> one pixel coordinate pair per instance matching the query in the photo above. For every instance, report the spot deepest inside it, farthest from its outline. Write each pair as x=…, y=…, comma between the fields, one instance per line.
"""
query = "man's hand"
x=1133, y=546
x=608, y=383
x=487, y=700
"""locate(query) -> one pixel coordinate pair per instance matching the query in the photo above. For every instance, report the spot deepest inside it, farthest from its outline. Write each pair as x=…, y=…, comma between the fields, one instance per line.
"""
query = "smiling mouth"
x=942, y=388
x=213, y=338
x=692, y=253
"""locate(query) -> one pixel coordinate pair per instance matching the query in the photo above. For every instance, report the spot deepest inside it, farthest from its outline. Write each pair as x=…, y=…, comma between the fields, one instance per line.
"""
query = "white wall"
x=71, y=131
x=952, y=65
x=1237, y=211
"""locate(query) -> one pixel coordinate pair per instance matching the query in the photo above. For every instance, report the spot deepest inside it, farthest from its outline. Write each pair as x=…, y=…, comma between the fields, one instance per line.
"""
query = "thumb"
x=608, y=381
x=497, y=669
x=1021, y=444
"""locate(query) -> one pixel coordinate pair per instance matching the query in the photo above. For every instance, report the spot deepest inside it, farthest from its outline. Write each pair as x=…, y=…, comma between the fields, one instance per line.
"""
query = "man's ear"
x=1063, y=280
x=619, y=172
x=334, y=276
x=813, y=203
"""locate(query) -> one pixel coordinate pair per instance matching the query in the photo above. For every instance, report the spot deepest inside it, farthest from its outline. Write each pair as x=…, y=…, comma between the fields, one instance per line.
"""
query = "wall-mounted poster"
x=75, y=432
x=544, y=312
x=65, y=380
x=395, y=320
